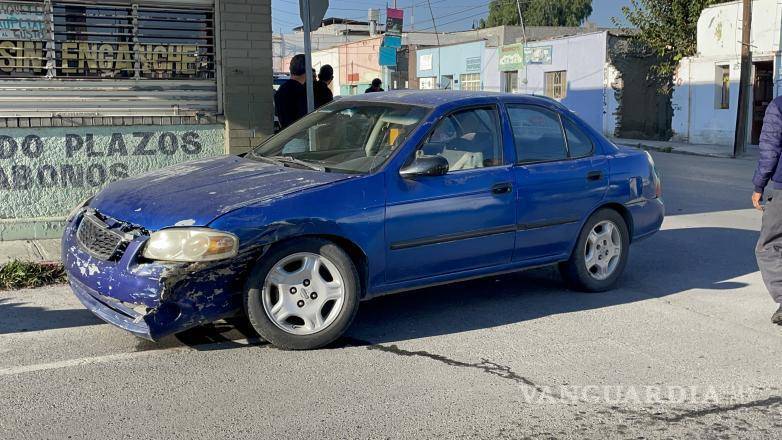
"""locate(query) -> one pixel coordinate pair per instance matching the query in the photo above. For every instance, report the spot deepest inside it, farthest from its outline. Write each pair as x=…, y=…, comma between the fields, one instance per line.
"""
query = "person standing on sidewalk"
x=375, y=87
x=323, y=94
x=290, y=100
x=769, y=247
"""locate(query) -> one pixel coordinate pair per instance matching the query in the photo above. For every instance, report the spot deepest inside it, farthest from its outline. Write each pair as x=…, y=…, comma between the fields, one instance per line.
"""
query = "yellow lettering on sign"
x=124, y=59
x=69, y=51
x=174, y=57
x=160, y=63
x=106, y=57
x=21, y=56
x=88, y=58
x=189, y=59
x=110, y=59
x=7, y=56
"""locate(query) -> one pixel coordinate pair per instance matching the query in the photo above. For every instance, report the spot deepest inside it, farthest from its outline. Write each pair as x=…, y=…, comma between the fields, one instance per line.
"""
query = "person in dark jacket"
x=375, y=87
x=769, y=247
x=322, y=91
x=290, y=100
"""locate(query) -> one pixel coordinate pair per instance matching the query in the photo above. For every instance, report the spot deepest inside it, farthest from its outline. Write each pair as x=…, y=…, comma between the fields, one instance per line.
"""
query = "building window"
x=470, y=81
x=556, y=84
x=723, y=87
x=511, y=82
x=426, y=83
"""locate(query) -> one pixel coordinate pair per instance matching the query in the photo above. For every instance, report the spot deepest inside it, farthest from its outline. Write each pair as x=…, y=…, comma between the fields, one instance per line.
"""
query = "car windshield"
x=344, y=136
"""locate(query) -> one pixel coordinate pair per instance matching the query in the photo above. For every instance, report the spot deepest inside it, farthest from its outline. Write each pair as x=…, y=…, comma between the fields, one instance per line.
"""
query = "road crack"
x=485, y=365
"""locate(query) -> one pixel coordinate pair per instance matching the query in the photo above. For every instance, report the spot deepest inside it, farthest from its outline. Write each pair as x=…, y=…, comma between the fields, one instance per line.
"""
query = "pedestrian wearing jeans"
x=769, y=248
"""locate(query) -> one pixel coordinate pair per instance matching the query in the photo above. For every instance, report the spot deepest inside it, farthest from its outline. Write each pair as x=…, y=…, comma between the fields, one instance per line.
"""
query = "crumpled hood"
x=195, y=193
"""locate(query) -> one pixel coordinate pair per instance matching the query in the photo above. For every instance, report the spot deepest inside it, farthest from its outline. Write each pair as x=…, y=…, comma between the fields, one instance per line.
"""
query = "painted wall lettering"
x=44, y=172
x=23, y=21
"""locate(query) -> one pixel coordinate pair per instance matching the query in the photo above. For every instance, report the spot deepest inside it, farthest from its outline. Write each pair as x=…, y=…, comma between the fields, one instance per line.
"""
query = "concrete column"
x=247, y=85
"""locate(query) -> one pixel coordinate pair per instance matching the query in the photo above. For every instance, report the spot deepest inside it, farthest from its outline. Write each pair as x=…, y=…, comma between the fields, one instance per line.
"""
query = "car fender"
x=350, y=213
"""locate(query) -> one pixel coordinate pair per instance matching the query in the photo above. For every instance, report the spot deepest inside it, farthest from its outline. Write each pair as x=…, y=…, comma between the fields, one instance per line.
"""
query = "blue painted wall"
x=584, y=58
x=457, y=59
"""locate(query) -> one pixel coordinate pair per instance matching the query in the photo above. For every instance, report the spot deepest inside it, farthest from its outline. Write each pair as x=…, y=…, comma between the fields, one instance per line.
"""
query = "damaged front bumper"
x=150, y=299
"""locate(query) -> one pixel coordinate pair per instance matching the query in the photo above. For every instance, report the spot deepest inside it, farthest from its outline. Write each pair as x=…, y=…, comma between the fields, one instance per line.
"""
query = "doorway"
x=446, y=82
x=762, y=95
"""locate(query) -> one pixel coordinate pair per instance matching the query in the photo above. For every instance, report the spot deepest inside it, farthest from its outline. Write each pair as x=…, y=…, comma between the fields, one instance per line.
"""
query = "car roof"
x=436, y=98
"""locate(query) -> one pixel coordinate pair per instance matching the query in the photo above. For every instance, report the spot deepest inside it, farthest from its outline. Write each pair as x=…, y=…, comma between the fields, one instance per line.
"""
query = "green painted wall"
x=44, y=172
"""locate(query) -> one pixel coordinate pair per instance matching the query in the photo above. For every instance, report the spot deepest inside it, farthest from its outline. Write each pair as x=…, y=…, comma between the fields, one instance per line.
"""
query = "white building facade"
x=705, y=98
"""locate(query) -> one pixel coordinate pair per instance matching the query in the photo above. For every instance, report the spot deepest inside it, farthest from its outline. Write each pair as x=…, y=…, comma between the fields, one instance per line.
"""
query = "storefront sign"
x=511, y=57
x=387, y=56
x=394, y=21
x=538, y=55
x=21, y=21
x=115, y=58
x=57, y=167
x=107, y=59
x=473, y=64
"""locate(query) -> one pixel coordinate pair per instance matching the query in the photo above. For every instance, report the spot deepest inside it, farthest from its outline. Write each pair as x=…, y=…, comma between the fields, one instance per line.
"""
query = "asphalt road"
x=683, y=348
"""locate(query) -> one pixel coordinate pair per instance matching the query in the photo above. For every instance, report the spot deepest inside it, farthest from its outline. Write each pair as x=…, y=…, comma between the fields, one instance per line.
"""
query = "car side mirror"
x=425, y=166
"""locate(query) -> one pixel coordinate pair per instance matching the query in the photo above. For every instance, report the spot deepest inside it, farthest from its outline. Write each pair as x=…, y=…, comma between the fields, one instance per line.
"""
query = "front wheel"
x=600, y=255
x=303, y=294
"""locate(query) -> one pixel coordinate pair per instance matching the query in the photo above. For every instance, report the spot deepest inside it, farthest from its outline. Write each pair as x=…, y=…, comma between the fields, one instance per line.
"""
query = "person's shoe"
x=776, y=318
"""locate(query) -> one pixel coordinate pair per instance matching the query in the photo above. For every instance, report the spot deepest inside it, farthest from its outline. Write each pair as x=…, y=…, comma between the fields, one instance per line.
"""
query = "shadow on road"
x=22, y=317
x=671, y=262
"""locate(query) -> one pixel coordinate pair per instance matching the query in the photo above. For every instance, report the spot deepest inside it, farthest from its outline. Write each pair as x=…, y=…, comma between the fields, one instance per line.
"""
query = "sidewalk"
x=724, y=151
x=30, y=250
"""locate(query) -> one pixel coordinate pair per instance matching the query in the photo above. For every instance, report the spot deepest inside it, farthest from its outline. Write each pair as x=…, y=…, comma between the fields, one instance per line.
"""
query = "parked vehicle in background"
x=369, y=195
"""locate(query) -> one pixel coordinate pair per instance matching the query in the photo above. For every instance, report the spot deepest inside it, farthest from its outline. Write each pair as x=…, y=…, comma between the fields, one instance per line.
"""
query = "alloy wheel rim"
x=303, y=293
x=603, y=250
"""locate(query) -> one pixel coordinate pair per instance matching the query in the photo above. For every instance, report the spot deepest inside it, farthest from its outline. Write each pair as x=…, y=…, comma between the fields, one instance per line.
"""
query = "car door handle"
x=593, y=176
x=502, y=188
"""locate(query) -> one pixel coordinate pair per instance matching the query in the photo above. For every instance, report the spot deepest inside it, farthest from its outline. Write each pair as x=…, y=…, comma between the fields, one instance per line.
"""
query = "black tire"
x=575, y=271
x=267, y=329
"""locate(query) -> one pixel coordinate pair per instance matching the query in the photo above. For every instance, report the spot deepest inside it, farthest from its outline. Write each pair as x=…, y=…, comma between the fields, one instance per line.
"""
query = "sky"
x=451, y=15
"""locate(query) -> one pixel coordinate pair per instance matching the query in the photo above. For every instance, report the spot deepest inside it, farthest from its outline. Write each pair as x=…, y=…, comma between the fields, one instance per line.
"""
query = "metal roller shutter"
x=108, y=58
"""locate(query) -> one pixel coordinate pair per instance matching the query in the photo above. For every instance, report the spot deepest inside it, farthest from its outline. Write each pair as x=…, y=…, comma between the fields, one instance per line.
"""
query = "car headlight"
x=191, y=245
x=78, y=209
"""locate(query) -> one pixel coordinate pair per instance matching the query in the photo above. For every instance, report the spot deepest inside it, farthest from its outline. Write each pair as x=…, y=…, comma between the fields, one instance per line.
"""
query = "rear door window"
x=579, y=144
x=537, y=133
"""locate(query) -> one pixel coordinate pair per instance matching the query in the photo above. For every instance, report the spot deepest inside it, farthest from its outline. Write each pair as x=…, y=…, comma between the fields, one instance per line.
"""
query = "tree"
x=538, y=12
x=667, y=27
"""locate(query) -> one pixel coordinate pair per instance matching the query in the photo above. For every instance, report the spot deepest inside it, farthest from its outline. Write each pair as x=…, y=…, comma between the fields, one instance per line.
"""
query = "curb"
x=685, y=152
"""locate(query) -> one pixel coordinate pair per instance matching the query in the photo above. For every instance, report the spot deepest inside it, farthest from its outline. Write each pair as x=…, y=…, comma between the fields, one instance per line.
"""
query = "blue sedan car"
x=366, y=196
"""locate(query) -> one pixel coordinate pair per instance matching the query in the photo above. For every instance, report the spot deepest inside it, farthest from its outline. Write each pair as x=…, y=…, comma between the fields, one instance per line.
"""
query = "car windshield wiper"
x=290, y=160
x=265, y=159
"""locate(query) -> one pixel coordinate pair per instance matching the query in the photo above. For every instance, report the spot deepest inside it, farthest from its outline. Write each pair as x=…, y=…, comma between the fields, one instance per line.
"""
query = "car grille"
x=97, y=239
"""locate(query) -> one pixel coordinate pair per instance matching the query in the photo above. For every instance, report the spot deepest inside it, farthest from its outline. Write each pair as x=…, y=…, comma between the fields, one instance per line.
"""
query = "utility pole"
x=412, y=16
x=740, y=143
x=521, y=22
x=437, y=37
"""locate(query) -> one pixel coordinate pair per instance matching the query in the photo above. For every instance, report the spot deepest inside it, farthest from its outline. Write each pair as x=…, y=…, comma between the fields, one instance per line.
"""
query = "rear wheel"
x=600, y=255
x=303, y=294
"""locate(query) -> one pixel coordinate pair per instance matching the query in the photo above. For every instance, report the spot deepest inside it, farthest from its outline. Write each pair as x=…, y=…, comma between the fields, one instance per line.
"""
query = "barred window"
x=113, y=40
x=556, y=84
x=470, y=81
